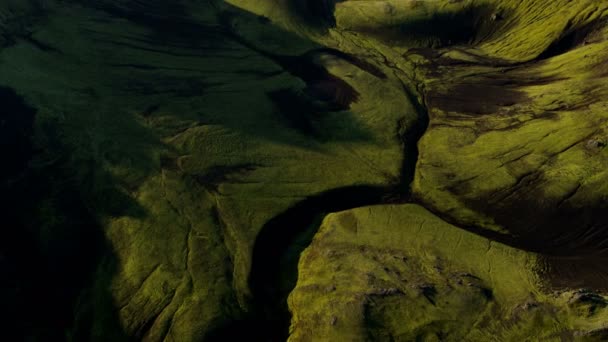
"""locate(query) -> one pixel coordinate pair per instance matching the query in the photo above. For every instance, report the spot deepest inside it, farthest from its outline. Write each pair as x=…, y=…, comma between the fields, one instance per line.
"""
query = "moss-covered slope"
x=398, y=273
x=179, y=155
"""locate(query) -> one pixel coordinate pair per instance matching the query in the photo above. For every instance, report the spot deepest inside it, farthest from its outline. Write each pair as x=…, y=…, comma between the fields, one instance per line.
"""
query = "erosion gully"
x=278, y=247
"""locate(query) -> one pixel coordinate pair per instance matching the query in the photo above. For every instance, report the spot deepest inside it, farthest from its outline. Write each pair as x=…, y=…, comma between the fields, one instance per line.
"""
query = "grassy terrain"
x=398, y=273
x=528, y=158
x=183, y=156
x=171, y=139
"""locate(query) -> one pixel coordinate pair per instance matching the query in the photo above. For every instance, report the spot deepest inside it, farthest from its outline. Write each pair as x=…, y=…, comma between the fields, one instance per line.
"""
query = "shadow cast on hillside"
x=52, y=241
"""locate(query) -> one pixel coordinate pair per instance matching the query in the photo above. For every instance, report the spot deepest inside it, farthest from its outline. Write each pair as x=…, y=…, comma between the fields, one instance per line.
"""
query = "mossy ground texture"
x=184, y=153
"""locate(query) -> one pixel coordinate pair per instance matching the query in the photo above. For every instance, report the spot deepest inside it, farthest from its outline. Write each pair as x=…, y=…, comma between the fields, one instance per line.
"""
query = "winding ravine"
x=577, y=248
x=282, y=239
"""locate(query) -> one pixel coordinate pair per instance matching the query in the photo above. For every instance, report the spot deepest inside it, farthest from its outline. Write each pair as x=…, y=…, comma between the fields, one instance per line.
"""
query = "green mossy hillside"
x=399, y=273
x=175, y=132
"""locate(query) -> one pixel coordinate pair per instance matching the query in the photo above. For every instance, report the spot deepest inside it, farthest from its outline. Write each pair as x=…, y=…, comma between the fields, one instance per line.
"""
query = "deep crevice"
x=571, y=38
x=280, y=242
x=317, y=13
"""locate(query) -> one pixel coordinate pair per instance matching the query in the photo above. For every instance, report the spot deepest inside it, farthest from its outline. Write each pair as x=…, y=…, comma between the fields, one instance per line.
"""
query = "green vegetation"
x=397, y=272
x=170, y=136
x=534, y=145
x=183, y=156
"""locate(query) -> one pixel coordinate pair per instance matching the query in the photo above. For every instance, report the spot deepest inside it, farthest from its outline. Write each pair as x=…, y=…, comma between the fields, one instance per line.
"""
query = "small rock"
x=589, y=297
x=497, y=16
x=595, y=144
x=389, y=292
x=468, y=275
x=529, y=305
